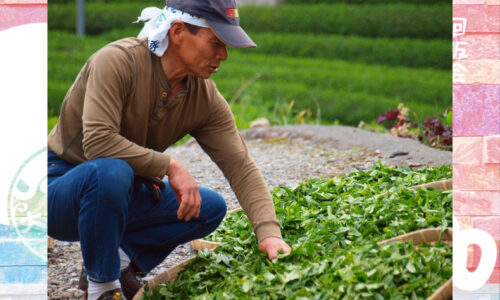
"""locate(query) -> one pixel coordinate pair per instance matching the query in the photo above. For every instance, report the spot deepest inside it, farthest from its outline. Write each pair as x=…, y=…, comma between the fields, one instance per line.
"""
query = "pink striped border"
x=19, y=12
x=476, y=123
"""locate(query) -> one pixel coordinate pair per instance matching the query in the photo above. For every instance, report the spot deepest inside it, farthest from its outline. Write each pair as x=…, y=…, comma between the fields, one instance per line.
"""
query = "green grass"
x=380, y=20
x=344, y=91
x=428, y=86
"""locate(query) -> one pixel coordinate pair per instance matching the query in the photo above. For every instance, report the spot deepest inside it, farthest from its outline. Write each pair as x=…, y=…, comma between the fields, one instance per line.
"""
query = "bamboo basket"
x=443, y=185
x=429, y=236
x=200, y=245
x=167, y=276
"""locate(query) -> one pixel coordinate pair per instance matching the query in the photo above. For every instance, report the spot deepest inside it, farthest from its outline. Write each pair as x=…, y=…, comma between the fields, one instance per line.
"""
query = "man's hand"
x=185, y=189
x=272, y=245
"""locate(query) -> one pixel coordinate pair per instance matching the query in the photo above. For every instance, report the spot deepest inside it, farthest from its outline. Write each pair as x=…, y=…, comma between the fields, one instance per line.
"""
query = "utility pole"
x=80, y=19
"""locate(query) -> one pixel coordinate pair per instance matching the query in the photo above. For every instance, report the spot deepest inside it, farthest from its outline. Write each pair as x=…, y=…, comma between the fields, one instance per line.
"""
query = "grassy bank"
x=342, y=90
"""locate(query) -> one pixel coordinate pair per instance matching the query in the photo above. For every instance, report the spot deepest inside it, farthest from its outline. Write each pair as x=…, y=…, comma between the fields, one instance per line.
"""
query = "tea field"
x=315, y=62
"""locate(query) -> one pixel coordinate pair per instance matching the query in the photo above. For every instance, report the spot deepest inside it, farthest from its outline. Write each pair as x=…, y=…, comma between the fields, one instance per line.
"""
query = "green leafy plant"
x=332, y=226
x=435, y=131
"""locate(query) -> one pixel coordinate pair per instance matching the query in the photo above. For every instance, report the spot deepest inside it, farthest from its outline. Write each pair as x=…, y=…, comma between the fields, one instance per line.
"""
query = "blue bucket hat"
x=221, y=15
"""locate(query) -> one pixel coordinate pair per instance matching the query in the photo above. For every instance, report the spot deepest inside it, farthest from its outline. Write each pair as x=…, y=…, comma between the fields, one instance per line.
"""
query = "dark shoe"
x=130, y=283
x=115, y=294
x=128, y=280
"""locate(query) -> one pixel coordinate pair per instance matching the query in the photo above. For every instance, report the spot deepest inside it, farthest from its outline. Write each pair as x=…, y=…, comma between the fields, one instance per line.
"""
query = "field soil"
x=392, y=151
x=285, y=155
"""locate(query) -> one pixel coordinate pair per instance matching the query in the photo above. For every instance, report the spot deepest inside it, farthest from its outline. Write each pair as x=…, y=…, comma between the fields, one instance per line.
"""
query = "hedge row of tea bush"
x=387, y=20
x=434, y=53
x=344, y=91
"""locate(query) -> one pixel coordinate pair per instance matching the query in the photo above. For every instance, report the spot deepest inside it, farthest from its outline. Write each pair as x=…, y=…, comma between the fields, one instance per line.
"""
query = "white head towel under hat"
x=158, y=24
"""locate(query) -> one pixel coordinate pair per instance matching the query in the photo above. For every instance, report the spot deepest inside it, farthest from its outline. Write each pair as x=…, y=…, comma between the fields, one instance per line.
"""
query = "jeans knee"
x=115, y=178
x=215, y=204
x=115, y=171
x=221, y=207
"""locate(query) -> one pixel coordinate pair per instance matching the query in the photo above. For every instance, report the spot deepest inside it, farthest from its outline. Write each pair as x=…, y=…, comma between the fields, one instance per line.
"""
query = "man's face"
x=202, y=52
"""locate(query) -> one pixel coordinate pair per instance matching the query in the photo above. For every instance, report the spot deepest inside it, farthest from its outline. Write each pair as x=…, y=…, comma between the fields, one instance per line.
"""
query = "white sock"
x=96, y=289
x=124, y=259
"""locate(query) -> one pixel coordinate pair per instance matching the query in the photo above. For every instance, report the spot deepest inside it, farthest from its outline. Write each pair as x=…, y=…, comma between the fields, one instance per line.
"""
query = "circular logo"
x=27, y=203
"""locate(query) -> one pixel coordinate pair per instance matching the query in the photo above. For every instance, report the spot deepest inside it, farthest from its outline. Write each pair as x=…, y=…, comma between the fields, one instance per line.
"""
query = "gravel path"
x=285, y=155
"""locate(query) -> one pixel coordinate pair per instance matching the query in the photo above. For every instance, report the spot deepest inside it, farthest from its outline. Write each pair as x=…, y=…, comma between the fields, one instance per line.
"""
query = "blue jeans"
x=94, y=203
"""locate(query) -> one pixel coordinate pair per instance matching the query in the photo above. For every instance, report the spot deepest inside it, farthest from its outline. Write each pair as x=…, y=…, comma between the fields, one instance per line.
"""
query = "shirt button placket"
x=164, y=97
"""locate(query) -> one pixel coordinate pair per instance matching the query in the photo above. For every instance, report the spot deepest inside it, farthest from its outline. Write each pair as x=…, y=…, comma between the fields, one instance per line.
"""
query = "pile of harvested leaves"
x=333, y=226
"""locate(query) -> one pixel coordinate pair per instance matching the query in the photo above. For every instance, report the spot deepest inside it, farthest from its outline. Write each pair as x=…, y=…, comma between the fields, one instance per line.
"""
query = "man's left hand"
x=273, y=245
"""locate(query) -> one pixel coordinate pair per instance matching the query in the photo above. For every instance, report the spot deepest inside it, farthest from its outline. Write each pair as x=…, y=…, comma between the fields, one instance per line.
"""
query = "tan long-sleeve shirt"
x=117, y=107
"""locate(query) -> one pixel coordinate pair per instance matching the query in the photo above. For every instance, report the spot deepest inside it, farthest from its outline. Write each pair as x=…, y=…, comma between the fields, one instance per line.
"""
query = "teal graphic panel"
x=23, y=242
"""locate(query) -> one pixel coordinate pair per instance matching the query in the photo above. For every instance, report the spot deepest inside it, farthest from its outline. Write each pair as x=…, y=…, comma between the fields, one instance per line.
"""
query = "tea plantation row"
x=345, y=78
x=348, y=92
x=384, y=20
x=433, y=53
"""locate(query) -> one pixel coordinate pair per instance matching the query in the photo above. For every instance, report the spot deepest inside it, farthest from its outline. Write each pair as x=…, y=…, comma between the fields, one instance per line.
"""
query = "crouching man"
x=132, y=100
